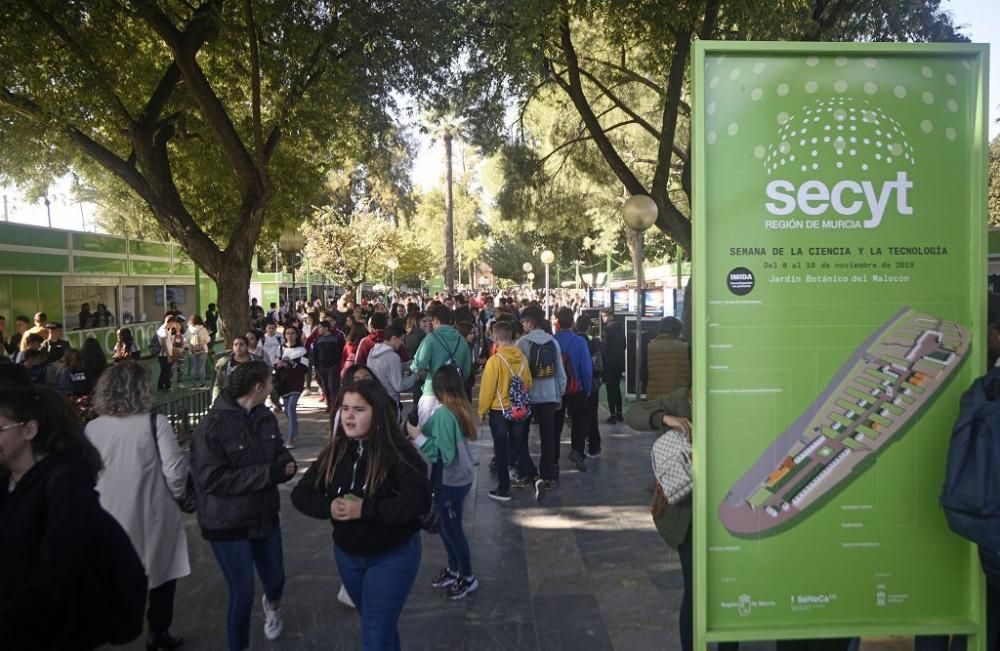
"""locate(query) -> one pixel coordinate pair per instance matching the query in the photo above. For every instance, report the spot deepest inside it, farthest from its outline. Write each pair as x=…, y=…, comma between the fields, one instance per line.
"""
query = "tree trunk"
x=233, y=281
x=449, y=223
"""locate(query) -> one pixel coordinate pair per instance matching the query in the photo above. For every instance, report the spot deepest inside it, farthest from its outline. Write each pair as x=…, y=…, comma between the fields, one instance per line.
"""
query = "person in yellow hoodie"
x=507, y=412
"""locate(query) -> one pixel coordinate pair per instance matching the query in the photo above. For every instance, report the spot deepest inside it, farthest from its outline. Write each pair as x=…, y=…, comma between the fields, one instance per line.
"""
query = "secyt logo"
x=849, y=144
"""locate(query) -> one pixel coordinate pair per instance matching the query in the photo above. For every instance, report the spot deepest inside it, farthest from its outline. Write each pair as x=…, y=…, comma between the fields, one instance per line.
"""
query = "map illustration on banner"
x=893, y=375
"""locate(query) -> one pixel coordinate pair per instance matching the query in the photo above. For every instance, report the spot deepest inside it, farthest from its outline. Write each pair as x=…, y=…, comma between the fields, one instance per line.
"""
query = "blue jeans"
x=237, y=558
x=449, y=501
x=196, y=368
x=379, y=585
x=291, y=402
x=510, y=447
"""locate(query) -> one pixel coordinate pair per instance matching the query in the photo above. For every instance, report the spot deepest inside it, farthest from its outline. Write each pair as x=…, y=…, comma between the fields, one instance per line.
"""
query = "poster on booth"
x=840, y=250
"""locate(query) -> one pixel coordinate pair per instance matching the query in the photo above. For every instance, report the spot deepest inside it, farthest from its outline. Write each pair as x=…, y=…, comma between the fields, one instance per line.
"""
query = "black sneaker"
x=612, y=419
x=463, y=587
x=445, y=579
x=500, y=496
x=594, y=453
x=578, y=460
x=550, y=484
x=539, y=489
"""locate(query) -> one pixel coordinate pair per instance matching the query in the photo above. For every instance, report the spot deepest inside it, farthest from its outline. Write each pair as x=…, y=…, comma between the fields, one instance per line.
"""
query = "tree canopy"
x=616, y=74
x=218, y=116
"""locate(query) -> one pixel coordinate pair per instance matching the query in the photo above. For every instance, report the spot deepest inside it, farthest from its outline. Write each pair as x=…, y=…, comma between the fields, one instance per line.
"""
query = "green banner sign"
x=840, y=252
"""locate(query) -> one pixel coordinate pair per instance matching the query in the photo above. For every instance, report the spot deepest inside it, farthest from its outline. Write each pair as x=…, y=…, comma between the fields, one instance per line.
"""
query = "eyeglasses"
x=7, y=427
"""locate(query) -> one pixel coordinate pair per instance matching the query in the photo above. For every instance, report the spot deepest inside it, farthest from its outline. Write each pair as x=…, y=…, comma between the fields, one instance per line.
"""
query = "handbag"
x=189, y=501
x=431, y=521
x=671, y=457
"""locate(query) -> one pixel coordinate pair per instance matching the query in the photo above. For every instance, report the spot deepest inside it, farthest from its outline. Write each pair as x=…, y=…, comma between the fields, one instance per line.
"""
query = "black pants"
x=163, y=381
x=161, y=607
x=593, y=430
x=613, y=380
x=329, y=382
x=576, y=405
x=544, y=414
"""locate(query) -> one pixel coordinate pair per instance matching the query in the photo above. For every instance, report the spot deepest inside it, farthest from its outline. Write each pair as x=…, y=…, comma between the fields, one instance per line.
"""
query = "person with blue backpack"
x=443, y=345
x=579, y=380
x=505, y=403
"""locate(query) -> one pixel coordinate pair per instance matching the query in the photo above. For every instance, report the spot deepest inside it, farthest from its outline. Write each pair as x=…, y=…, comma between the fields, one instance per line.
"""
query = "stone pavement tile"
x=570, y=622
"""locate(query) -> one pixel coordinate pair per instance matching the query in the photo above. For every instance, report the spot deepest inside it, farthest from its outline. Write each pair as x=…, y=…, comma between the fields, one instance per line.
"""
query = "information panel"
x=840, y=251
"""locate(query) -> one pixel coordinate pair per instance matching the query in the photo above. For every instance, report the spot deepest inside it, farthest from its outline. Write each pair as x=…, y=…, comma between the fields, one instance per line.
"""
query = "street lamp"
x=531, y=279
x=639, y=212
x=291, y=242
x=527, y=268
x=548, y=257
x=392, y=263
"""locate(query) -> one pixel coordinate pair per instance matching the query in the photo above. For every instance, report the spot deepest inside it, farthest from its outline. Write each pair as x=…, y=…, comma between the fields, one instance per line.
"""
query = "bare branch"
x=630, y=75
x=580, y=139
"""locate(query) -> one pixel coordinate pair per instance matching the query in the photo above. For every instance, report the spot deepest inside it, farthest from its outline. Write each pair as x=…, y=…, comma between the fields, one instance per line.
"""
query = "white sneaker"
x=345, y=598
x=273, y=625
x=306, y=392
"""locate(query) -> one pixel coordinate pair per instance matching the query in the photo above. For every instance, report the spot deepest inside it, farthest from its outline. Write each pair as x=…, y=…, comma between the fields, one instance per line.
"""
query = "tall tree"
x=622, y=70
x=210, y=112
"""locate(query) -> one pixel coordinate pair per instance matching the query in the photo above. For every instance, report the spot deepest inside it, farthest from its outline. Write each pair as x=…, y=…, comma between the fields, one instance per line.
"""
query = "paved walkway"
x=584, y=570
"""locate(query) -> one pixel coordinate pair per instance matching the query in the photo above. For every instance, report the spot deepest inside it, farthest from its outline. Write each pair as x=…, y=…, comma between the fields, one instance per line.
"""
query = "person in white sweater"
x=386, y=365
x=144, y=475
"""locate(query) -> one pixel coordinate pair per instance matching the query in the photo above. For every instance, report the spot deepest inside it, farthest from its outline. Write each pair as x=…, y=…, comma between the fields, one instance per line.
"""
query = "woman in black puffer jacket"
x=238, y=459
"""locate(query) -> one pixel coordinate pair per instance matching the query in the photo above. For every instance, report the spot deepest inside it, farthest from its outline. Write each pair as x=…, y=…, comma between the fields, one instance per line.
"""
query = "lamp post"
x=392, y=263
x=527, y=269
x=292, y=242
x=548, y=257
x=639, y=212
x=531, y=279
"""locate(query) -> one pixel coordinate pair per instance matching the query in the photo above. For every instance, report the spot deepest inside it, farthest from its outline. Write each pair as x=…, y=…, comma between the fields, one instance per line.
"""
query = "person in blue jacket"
x=579, y=377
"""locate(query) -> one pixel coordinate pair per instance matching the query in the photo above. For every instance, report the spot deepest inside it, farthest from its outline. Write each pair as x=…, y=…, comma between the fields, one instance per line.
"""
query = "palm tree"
x=447, y=127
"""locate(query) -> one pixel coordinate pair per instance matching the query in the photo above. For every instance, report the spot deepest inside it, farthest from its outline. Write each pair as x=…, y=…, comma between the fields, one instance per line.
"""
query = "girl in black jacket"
x=372, y=484
x=237, y=460
x=49, y=511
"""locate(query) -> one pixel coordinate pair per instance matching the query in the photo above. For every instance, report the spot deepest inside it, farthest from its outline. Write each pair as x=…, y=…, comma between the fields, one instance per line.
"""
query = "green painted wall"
x=25, y=295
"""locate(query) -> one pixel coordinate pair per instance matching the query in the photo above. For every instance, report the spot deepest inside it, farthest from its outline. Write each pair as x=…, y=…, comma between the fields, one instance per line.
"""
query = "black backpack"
x=971, y=493
x=542, y=360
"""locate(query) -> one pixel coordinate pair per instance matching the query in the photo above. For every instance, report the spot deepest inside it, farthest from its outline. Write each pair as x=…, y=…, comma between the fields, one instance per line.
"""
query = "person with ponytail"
x=49, y=525
x=372, y=485
x=238, y=459
x=444, y=441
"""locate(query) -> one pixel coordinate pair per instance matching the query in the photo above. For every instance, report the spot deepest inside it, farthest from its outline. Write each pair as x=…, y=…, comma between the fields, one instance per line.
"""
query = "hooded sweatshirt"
x=494, y=387
x=547, y=389
x=437, y=348
x=385, y=364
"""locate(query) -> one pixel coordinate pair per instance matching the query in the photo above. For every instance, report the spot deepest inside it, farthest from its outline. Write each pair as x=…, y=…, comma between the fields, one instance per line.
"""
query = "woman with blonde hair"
x=144, y=474
x=444, y=442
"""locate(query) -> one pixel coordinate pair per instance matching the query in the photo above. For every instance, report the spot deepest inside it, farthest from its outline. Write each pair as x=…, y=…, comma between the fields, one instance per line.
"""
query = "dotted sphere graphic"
x=837, y=133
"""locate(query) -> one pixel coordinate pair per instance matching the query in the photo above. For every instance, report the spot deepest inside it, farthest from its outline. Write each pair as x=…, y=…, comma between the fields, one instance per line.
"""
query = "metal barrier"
x=184, y=412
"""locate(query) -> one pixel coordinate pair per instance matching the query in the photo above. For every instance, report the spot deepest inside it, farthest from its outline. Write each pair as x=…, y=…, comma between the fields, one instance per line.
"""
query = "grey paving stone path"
x=583, y=571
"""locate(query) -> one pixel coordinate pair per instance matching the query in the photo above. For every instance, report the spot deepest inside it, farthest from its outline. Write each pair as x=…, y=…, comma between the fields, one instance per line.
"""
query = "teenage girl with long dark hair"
x=372, y=484
x=444, y=441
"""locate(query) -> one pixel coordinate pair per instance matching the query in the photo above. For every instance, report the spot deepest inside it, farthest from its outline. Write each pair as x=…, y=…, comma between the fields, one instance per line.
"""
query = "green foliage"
x=601, y=92
x=353, y=248
x=222, y=118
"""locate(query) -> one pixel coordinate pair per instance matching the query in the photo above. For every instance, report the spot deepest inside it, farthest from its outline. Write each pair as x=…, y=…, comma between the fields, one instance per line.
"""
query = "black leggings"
x=161, y=607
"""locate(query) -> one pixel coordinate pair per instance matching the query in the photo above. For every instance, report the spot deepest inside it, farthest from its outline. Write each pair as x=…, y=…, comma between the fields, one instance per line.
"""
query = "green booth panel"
x=87, y=264
x=98, y=243
x=153, y=249
x=40, y=262
x=22, y=235
x=6, y=308
x=149, y=268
